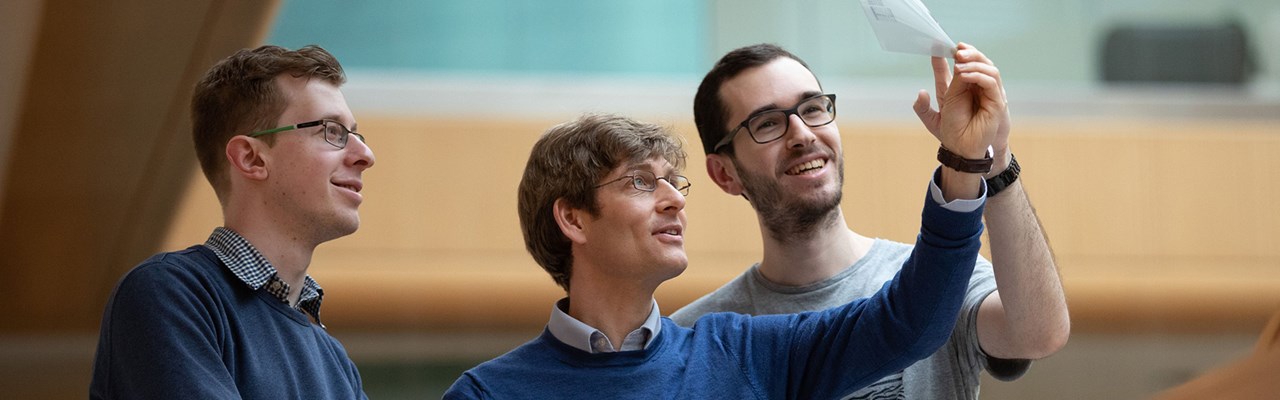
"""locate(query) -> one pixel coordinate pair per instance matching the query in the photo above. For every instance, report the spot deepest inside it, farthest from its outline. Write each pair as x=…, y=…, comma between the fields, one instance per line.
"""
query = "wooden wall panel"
x=102, y=151
x=1158, y=225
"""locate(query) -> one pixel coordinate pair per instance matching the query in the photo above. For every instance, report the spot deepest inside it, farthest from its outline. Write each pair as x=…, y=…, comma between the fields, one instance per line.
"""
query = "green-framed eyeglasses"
x=335, y=133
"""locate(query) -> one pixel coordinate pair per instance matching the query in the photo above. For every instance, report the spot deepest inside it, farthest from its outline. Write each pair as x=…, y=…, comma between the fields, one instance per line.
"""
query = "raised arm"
x=831, y=353
x=1026, y=318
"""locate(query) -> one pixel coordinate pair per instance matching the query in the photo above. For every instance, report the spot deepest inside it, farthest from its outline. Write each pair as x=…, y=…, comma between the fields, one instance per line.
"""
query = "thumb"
x=928, y=116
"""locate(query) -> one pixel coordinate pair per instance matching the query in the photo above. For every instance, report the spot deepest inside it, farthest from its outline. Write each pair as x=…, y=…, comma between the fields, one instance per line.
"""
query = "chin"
x=343, y=226
x=676, y=270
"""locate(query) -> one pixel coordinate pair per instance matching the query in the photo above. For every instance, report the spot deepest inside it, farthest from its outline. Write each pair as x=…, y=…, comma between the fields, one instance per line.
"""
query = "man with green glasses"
x=238, y=316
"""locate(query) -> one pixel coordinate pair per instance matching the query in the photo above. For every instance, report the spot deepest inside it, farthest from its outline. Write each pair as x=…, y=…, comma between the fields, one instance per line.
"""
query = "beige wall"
x=1159, y=226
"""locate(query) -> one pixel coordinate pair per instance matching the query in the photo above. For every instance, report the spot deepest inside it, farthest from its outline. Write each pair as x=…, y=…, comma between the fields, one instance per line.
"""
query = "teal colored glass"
x=335, y=133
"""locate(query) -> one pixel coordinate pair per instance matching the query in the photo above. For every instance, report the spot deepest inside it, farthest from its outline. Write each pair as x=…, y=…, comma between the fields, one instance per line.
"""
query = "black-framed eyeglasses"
x=770, y=125
x=335, y=133
x=648, y=181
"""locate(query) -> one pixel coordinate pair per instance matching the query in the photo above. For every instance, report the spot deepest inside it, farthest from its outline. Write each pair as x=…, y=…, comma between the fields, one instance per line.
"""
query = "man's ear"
x=245, y=155
x=571, y=221
x=724, y=173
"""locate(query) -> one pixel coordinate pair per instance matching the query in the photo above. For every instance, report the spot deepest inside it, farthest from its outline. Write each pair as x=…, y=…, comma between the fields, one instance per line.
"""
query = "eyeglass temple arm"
x=285, y=128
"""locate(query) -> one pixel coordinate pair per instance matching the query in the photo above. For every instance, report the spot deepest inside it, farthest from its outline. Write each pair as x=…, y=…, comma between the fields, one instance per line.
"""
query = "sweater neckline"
x=575, y=356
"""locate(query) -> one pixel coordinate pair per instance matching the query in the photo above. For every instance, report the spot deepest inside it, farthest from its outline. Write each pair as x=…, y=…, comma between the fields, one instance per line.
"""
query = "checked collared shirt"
x=255, y=271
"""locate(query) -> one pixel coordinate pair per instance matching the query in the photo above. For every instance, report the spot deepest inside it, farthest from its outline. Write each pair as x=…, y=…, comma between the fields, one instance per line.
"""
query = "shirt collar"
x=252, y=268
x=573, y=332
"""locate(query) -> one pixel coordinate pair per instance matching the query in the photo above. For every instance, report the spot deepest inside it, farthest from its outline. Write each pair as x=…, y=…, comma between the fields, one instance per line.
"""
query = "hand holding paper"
x=906, y=26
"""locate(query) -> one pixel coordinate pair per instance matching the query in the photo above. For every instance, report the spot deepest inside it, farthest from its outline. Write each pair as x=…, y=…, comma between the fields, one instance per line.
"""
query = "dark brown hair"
x=709, y=111
x=239, y=95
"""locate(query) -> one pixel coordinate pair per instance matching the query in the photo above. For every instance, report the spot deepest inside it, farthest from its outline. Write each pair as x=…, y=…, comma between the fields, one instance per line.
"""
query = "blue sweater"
x=182, y=326
x=816, y=355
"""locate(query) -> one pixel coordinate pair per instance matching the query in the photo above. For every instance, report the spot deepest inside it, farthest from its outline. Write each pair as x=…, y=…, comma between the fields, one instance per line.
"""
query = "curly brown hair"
x=566, y=163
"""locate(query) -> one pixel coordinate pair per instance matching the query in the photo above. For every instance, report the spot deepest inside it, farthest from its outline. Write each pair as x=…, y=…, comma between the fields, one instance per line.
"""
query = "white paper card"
x=905, y=26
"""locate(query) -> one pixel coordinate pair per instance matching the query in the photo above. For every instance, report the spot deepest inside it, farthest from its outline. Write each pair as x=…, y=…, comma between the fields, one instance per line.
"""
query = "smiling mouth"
x=351, y=187
x=807, y=167
x=671, y=230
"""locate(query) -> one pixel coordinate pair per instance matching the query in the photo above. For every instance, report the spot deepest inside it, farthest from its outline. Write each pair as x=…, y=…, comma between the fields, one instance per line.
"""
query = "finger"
x=922, y=106
x=986, y=69
x=928, y=116
x=941, y=76
x=970, y=54
x=991, y=89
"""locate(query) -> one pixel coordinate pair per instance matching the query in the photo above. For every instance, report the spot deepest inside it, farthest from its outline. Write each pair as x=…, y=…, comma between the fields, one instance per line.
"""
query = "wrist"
x=966, y=165
x=1005, y=178
x=1000, y=155
x=958, y=185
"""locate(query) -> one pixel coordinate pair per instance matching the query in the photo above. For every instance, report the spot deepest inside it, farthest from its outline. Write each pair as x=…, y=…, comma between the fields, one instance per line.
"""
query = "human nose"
x=798, y=133
x=669, y=198
x=359, y=154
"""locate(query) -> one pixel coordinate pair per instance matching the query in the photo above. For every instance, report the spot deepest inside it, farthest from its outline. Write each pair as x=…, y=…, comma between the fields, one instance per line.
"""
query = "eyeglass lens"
x=337, y=134
x=771, y=125
x=647, y=181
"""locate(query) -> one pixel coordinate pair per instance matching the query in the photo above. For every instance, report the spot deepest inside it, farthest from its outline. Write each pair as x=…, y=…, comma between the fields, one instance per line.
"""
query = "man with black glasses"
x=238, y=316
x=768, y=130
x=601, y=205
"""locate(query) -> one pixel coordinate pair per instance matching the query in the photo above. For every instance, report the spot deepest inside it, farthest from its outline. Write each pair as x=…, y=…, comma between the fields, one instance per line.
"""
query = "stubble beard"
x=791, y=219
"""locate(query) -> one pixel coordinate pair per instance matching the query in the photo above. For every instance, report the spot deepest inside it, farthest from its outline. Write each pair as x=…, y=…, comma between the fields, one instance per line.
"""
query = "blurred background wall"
x=1147, y=131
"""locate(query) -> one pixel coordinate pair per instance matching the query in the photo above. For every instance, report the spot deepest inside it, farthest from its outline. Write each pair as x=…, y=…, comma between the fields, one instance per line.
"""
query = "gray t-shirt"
x=950, y=373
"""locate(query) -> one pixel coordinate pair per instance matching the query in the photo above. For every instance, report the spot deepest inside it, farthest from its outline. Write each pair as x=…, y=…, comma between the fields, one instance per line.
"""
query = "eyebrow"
x=644, y=166
x=355, y=126
x=773, y=106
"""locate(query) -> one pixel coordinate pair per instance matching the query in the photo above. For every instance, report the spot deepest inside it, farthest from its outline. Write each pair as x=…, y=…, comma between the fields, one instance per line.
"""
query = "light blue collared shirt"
x=573, y=332
x=957, y=205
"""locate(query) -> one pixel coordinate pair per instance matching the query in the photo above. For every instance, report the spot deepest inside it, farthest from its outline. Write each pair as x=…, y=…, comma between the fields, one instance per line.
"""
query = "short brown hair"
x=709, y=111
x=239, y=95
x=567, y=162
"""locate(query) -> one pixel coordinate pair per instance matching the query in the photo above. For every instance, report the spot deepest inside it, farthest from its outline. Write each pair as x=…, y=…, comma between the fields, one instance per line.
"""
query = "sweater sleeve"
x=160, y=339
x=837, y=351
x=466, y=387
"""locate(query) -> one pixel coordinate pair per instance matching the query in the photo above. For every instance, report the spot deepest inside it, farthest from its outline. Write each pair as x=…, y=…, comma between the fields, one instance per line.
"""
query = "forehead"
x=312, y=99
x=657, y=165
x=778, y=84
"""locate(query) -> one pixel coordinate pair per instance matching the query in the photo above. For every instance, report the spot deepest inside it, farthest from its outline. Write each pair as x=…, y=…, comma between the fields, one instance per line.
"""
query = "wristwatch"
x=1000, y=182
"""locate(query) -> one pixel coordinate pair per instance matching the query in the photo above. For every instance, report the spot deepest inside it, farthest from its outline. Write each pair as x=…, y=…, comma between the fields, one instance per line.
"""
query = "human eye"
x=642, y=180
x=333, y=132
x=816, y=107
x=767, y=124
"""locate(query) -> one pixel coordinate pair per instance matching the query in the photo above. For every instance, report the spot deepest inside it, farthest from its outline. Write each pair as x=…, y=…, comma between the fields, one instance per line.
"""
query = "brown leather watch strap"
x=958, y=163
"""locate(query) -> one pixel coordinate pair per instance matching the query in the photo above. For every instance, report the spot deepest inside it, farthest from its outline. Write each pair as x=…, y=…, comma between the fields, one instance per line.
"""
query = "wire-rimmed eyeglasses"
x=335, y=133
x=770, y=125
x=648, y=181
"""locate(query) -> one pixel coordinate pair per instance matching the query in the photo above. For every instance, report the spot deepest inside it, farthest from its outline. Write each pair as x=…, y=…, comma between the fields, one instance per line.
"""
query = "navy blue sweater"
x=816, y=355
x=182, y=326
